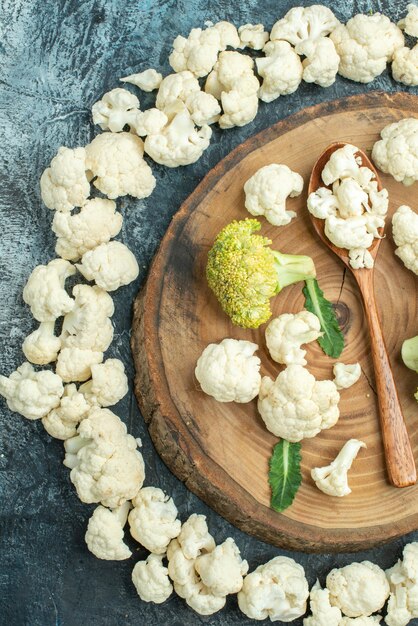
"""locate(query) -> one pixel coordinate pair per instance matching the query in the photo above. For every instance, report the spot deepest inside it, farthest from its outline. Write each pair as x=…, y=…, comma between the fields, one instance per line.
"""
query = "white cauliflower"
x=197, y=53
x=151, y=581
x=358, y=589
x=365, y=45
x=341, y=164
x=104, y=535
x=323, y=614
x=42, y=346
x=108, y=383
x=278, y=590
x=322, y=203
x=252, y=36
x=348, y=233
x=62, y=421
x=281, y=70
x=153, y=520
x=74, y=364
x=148, y=80
x=397, y=152
x=239, y=108
x=346, y=375
x=229, y=371
x=115, y=110
x=372, y=620
x=302, y=24
x=267, y=190
x=228, y=34
x=45, y=290
x=110, y=265
x=359, y=258
x=194, y=538
x=175, y=87
x=403, y=579
x=222, y=569
x=96, y=223
x=405, y=235
x=333, y=479
x=30, y=393
x=88, y=324
x=286, y=334
x=296, y=406
x=105, y=464
x=203, y=108
x=64, y=184
x=321, y=63
x=351, y=198
x=115, y=162
x=405, y=66
x=150, y=122
x=410, y=22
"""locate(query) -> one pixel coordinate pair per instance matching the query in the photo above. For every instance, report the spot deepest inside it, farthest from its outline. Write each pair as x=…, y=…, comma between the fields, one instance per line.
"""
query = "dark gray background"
x=57, y=57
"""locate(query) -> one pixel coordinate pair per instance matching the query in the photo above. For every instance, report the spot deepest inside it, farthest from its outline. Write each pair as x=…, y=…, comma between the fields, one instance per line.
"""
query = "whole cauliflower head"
x=281, y=70
x=115, y=110
x=104, y=536
x=277, y=590
x=286, y=334
x=74, y=364
x=110, y=265
x=321, y=63
x=42, y=346
x=346, y=375
x=410, y=22
x=88, y=325
x=153, y=520
x=405, y=65
x=267, y=190
x=302, y=24
x=323, y=614
x=45, y=290
x=365, y=45
x=229, y=371
x=116, y=165
x=64, y=184
x=358, y=589
x=30, y=393
x=108, y=383
x=222, y=569
x=405, y=235
x=397, y=152
x=333, y=479
x=295, y=406
x=148, y=80
x=151, y=581
x=62, y=421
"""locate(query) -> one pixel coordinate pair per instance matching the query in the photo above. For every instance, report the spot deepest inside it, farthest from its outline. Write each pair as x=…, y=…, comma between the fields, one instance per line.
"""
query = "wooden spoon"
x=400, y=462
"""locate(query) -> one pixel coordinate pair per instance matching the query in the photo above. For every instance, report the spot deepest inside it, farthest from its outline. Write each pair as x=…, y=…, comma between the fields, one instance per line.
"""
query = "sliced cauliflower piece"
x=341, y=164
x=115, y=162
x=194, y=538
x=74, y=364
x=281, y=70
x=62, y=421
x=222, y=569
x=30, y=393
x=323, y=614
x=348, y=233
x=88, y=325
x=360, y=258
x=45, y=290
x=151, y=581
x=203, y=107
x=301, y=24
x=64, y=184
x=397, y=152
x=346, y=375
x=405, y=66
x=333, y=479
x=176, y=87
x=111, y=265
x=358, y=589
x=252, y=36
x=405, y=235
x=197, y=53
x=295, y=406
x=351, y=198
x=115, y=110
x=42, y=346
x=104, y=536
x=105, y=464
x=153, y=520
x=148, y=80
x=321, y=63
x=410, y=22
x=267, y=190
x=286, y=334
x=322, y=203
x=229, y=371
x=108, y=383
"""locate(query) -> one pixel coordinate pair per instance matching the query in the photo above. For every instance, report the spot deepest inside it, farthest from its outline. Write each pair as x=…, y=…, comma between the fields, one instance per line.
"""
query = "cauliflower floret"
x=302, y=24
x=222, y=569
x=115, y=110
x=110, y=265
x=74, y=364
x=410, y=22
x=230, y=70
x=62, y=421
x=348, y=233
x=365, y=45
x=295, y=406
x=176, y=87
x=346, y=375
x=30, y=393
x=229, y=371
x=45, y=293
x=104, y=536
x=397, y=152
x=115, y=161
x=151, y=580
x=203, y=108
x=358, y=589
x=64, y=184
x=267, y=190
x=239, y=109
x=379, y=202
x=333, y=479
x=322, y=203
x=321, y=63
x=88, y=324
x=153, y=520
x=228, y=34
x=405, y=66
x=403, y=580
x=252, y=36
x=351, y=198
x=278, y=590
x=373, y=620
x=105, y=464
x=147, y=80
x=323, y=614
x=150, y=122
x=398, y=611
x=286, y=334
x=281, y=70
x=405, y=235
x=42, y=346
x=359, y=258
x=108, y=383
x=198, y=53
x=194, y=538
x=341, y=164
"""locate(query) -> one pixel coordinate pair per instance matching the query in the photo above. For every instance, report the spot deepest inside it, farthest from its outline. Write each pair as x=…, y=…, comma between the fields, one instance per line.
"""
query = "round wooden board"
x=221, y=450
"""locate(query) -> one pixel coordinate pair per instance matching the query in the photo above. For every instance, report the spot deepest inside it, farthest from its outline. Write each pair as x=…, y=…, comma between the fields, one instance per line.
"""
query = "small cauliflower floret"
x=278, y=590
x=372, y=620
x=153, y=520
x=397, y=152
x=348, y=233
x=181, y=570
x=151, y=580
x=341, y=164
x=410, y=22
x=222, y=569
x=321, y=63
x=346, y=375
x=88, y=324
x=115, y=162
x=148, y=80
x=323, y=614
x=62, y=421
x=231, y=69
x=203, y=108
x=110, y=265
x=239, y=108
x=403, y=580
x=42, y=346
x=405, y=235
x=30, y=393
x=286, y=334
x=358, y=589
x=229, y=371
x=379, y=202
x=295, y=406
x=45, y=290
x=398, y=611
x=194, y=538
x=108, y=383
x=333, y=479
x=365, y=45
x=228, y=34
x=96, y=223
x=150, y=122
x=104, y=536
x=64, y=184
x=105, y=464
x=115, y=110
x=197, y=53
x=322, y=203
x=281, y=70
x=405, y=66
x=252, y=36
x=351, y=198
x=176, y=87
x=301, y=24
x=360, y=258
x=74, y=364
x=267, y=190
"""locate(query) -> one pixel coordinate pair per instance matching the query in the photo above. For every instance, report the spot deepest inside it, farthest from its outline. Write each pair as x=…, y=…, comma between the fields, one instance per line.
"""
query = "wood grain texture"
x=221, y=450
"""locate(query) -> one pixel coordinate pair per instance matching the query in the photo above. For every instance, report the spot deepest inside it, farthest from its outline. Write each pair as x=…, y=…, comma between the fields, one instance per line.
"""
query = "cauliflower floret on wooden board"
x=63, y=420
x=151, y=580
x=287, y=332
x=153, y=520
x=322, y=613
x=405, y=235
x=346, y=375
x=45, y=291
x=104, y=535
x=64, y=184
x=333, y=479
x=396, y=153
x=358, y=589
x=111, y=265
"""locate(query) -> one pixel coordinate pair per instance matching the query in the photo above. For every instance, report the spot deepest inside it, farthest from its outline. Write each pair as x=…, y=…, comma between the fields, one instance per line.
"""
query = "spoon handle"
x=400, y=462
